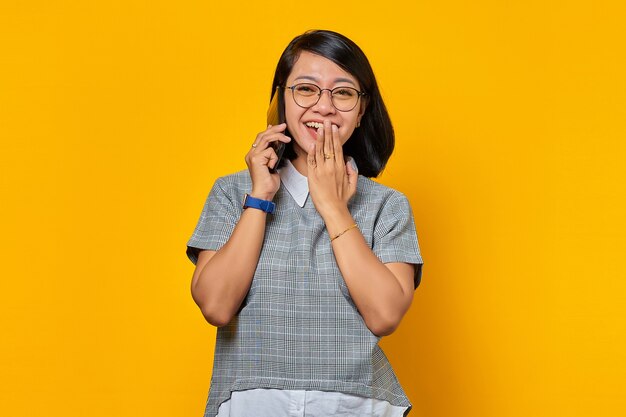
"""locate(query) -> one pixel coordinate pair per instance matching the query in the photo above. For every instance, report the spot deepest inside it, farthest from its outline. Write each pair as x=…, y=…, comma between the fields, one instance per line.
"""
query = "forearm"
x=221, y=285
x=378, y=294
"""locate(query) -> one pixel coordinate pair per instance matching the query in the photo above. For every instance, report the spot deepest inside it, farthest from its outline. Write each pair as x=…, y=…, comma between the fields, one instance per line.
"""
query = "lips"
x=315, y=129
x=315, y=125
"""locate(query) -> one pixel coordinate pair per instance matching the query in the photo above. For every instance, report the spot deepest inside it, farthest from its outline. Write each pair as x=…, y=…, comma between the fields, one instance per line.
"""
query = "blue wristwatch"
x=257, y=203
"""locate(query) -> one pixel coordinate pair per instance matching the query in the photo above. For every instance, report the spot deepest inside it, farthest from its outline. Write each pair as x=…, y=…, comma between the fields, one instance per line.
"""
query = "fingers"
x=327, y=151
x=319, y=146
x=352, y=174
x=262, y=154
x=311, y=156
x=264, y=158
x=328, y=141
x=337, y=148
x=269, y=135
x=271, y=158
x=352, y=178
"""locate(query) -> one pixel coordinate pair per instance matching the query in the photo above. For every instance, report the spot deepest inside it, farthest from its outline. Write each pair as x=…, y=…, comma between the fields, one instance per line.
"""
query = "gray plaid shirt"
x=298, y=328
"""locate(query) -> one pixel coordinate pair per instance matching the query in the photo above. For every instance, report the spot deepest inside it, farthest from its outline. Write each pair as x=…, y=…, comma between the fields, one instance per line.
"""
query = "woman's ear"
x=361, y=112
x=363, y=106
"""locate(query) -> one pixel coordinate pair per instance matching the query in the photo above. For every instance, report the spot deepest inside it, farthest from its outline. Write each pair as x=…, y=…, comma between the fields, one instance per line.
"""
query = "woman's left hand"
x=332, y=181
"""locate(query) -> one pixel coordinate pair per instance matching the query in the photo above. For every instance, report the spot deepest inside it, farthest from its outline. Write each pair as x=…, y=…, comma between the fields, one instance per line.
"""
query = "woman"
x=301, y=296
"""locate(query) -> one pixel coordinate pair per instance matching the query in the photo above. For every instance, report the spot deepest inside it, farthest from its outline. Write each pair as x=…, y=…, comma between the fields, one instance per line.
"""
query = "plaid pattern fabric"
x=298, y=328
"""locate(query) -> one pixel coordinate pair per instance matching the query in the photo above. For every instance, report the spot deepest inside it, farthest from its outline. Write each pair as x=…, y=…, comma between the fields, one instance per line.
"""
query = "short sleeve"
x=395, y=237
x=217, y=221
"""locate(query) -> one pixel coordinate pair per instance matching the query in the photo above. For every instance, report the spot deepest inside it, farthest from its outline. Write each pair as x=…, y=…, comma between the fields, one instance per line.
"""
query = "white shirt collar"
x=297, y=184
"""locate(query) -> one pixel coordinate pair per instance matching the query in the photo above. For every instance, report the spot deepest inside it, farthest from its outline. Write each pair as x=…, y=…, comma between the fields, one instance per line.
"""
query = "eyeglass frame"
x=319, y=96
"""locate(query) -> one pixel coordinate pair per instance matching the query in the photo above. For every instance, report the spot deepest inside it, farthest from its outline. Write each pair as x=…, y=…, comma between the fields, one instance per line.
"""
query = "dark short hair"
x=372, y=143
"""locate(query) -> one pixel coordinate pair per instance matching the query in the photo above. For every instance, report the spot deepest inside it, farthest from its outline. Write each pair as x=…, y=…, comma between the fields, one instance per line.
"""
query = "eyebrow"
x=337, y=80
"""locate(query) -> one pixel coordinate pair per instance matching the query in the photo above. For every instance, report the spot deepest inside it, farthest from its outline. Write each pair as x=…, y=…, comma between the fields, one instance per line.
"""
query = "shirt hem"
x=353, y=388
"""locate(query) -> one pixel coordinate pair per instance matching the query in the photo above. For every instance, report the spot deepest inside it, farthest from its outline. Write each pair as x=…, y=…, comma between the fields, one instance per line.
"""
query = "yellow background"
x=116, y=117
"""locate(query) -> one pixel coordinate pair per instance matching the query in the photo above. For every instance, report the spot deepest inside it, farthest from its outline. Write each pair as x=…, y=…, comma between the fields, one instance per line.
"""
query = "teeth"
x=315, y=125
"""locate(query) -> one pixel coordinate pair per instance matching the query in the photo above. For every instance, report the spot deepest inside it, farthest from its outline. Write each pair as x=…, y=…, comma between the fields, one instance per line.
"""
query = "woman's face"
x=315, y=69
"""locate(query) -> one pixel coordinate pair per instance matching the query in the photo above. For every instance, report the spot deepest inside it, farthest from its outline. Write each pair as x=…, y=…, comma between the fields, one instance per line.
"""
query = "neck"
x=300, y=161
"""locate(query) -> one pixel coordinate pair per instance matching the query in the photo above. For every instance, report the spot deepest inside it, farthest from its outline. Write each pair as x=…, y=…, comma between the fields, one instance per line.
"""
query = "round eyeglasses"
x=343, y=98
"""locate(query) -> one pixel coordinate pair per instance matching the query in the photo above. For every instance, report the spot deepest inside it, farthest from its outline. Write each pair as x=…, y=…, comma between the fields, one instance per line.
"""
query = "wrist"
x=344, y=231
x=266, y=206
x=262, y=195
x=337, y=220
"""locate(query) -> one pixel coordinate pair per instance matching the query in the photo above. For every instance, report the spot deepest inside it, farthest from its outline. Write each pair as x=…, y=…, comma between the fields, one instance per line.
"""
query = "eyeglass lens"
x=307, y=95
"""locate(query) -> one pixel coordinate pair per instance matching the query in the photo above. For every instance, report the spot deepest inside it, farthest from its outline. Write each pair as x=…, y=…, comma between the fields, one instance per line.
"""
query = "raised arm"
x=222, y=278
x=381, y=292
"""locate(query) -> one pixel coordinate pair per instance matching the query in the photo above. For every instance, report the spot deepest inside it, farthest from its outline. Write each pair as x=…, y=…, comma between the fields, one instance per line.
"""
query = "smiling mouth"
x=315, y=125
x=315, y=129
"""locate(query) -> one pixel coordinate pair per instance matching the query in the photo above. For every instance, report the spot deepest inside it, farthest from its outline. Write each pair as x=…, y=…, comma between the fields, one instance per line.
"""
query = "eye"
x=305, y=89
x=344, y=92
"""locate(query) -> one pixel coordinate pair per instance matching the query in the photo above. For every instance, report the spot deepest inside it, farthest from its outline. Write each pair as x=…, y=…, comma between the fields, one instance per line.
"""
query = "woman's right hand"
x=261, y=157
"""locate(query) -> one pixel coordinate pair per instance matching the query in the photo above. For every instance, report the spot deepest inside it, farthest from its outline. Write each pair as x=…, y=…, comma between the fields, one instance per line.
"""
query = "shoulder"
x=369, y=185
x=233, y=185
x=228, y=190
x=371, y=193
x=237, y=180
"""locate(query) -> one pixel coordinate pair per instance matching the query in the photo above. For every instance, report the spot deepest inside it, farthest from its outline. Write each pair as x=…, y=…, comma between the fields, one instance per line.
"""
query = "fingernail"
x=320, y=131
x=335, y=128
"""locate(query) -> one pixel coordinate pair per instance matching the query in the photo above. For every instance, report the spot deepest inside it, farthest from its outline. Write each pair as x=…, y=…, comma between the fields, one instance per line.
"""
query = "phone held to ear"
x=276, y=116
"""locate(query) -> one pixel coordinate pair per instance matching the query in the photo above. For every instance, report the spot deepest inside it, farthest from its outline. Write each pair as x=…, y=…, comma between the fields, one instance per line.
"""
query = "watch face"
x=245, y=200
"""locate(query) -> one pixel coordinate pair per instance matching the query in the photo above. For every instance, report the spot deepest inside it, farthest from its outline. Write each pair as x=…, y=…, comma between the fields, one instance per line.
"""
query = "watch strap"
x=263, y=205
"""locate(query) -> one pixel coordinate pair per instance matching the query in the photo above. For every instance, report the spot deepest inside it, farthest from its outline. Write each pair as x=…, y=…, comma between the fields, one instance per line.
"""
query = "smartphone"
x=276, y=116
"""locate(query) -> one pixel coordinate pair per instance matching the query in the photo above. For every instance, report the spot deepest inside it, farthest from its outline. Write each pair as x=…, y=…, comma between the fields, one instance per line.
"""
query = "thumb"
x=352, y=175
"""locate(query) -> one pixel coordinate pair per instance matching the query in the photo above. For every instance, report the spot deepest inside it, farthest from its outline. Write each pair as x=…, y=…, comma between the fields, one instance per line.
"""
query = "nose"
x=325, y=103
